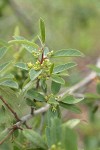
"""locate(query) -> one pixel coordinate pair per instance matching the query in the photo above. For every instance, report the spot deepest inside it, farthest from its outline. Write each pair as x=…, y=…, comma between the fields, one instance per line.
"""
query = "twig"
x=27, y=126
x=11, y=110
x=29, y=116
x=84, y=82
x=32, y=110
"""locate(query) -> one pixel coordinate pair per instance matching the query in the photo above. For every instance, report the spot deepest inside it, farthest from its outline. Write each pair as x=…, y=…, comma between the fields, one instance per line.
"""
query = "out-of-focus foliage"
x=74, y=23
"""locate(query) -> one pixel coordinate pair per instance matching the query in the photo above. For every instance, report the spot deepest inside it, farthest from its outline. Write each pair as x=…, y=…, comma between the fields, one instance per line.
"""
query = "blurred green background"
x=69, y=24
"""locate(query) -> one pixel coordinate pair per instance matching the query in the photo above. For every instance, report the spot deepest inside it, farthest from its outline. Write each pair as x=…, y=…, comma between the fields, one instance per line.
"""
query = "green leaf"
x=92, y=96
x=16, y=133
x=51, y=68
x=71, y=123
x=3, y=43
x=68, y=53
x=3, y=51
x=52, y=114
x=30, y=49
x=46, y=51
x=42, y=29
x=33, y=94
x=69, y=99
x=57, y=79
x=70, y=107
x=2, y=113
x=34, y=74
x=95, y=68
x=35, y=138
x=21, y=65
x=8, y=76
x=8, y=93
x=55, y=87
x=30, y=102
x=18, y=37
x=4, y=65
x=43, y=85
x=98, y=87
x=26, y=42
x=53, y=131
x=69, y=139
x=64, y=67
x=10, y=83
x=16, y=148
x=53, y=101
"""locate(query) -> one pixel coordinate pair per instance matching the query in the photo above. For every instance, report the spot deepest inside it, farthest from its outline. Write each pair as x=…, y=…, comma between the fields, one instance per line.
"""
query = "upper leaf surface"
x=69, y=99
x=32, y=94
x=55, y=87
x=42, y=29
x=70, y=107
x=57, y=79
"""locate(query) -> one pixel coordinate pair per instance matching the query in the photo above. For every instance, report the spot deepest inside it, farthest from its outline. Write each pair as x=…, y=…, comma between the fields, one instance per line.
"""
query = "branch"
x=29, y=116
x=11, y=110
x=84, y=82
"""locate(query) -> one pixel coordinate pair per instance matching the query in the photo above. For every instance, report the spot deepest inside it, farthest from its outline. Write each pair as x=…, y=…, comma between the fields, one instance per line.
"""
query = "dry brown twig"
x=9, y=107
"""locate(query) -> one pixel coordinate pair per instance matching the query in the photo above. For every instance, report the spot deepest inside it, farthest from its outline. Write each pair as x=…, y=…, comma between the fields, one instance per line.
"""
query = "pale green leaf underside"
x=7, y=76
x=46, y=51
x=21, y=65
x=34, y=74
x=26, y=42
x=64, y=67
x=10, y=83
x=30, y=49
x=4, y=65
x=68, y=53
x=3, y=51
